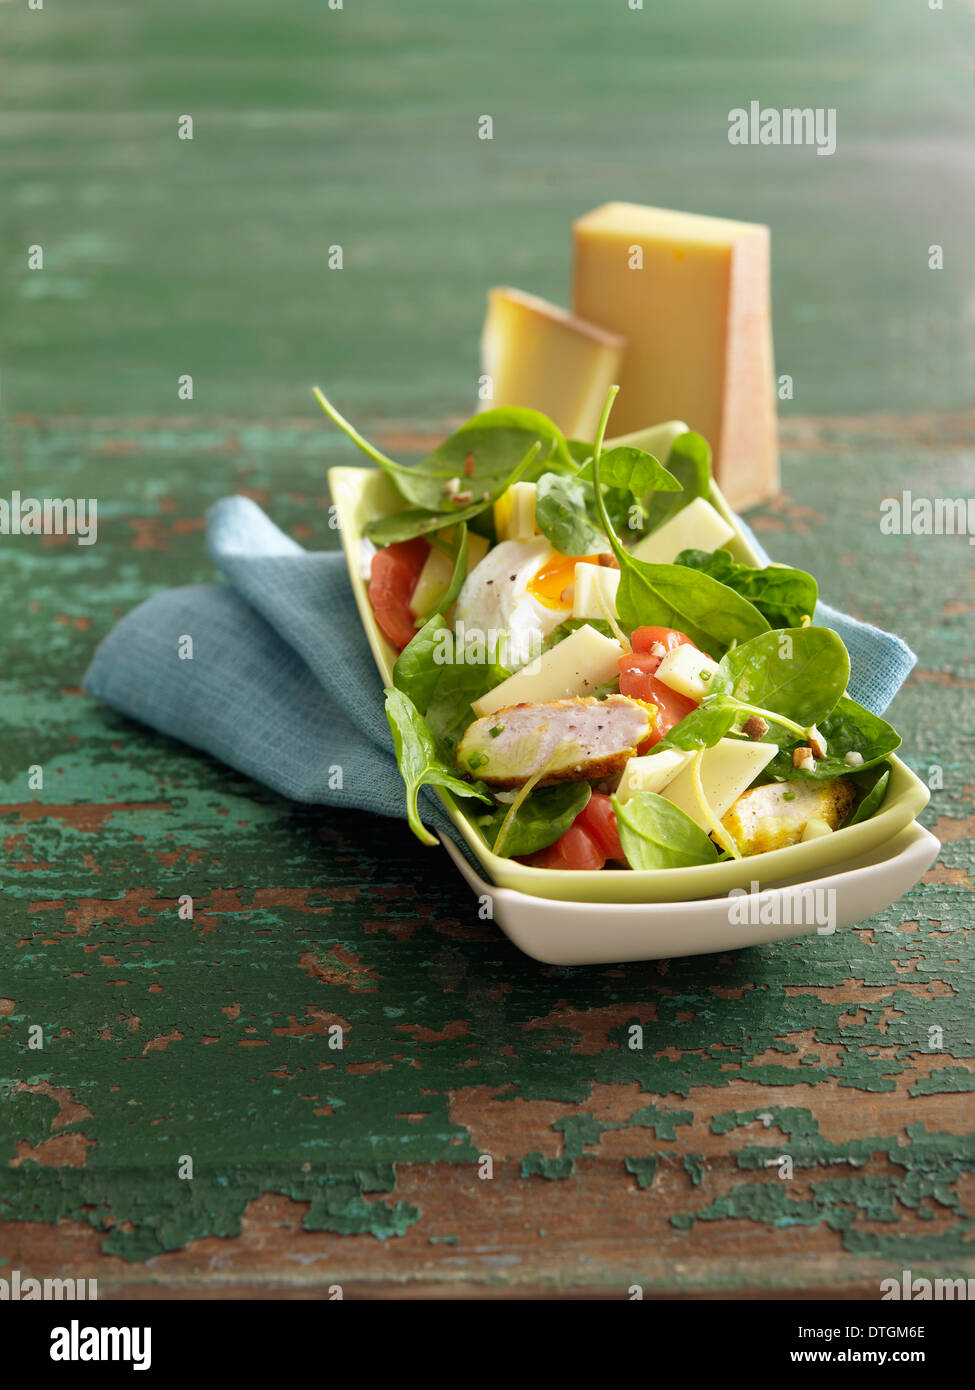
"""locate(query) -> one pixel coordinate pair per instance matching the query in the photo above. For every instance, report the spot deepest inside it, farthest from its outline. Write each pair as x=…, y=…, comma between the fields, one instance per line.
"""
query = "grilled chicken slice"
x=573, y=740
x=775, y=815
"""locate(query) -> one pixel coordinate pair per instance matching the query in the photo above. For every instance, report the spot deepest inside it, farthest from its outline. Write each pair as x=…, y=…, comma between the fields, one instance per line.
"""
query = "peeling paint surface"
x=209, y=1039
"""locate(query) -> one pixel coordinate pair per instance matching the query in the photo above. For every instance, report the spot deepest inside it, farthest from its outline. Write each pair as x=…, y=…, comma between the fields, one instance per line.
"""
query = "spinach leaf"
x=441, y=690
x=560, y=514
x=480, y=457
x=420, y=521
x=689, y=462
x=712, y=615
x=849, y=728
x=449, y=711
x=871, y=791
x=703, y=727
x=656, y=834
x=419, y=763
x=633, y=470
x=797, y=672
x=539, y=821
x=785, y=596
x=416, y=670
x=457, y=576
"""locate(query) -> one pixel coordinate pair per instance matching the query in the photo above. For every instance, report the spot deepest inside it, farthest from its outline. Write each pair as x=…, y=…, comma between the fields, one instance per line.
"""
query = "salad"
x=586, y=665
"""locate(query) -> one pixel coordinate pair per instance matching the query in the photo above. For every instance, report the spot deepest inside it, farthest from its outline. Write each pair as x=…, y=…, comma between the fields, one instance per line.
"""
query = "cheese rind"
x=575, y=666
x=698, y=526
x=727, y=770
x=514, y=513
x=594, y=594
x=652, y=773
x=540, y=357
x=691, y=295
x=434, y=578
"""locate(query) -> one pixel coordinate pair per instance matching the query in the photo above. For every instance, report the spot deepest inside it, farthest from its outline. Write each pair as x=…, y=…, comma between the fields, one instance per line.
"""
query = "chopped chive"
x=498, y=729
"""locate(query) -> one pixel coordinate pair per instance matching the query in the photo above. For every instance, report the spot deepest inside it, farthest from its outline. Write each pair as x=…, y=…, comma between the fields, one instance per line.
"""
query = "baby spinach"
x=656, y=834
x=540, y=819
x=705, y=726
x=849, y=728
x=443, y=691
x=689, y=463
x=419, y=762
x=480, y=457
x=420, y=521
x=785, y=596
x=560, y=514
x=797, y=672
x=712, y=615
x=871, y=791
x=633, y=470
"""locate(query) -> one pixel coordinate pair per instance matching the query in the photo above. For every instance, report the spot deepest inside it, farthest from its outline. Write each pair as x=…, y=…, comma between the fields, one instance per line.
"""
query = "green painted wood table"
x=168, y=1041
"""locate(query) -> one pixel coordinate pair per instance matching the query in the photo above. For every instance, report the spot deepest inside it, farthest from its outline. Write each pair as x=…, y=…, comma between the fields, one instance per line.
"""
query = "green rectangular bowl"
x=360, y=495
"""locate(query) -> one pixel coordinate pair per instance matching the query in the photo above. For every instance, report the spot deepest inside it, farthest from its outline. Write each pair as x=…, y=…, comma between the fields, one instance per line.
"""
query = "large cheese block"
x=691, y=296
x=540, y=357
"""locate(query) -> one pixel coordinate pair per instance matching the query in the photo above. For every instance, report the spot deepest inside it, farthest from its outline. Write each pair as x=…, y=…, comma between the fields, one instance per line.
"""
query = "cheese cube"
x=594, y=595
x=577, y=665
x=514, y=513
x=435, y=576
x=691, y=296
x=687, y=671
x=698, y=526
x=657, y=439
x=652, y=773
x=727, y=770
x=538, y=356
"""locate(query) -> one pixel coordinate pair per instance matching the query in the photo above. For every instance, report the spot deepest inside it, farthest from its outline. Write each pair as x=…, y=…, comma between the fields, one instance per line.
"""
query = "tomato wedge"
x=393, y=575
x=599, y=819
x=576, y=849
x=638, y=681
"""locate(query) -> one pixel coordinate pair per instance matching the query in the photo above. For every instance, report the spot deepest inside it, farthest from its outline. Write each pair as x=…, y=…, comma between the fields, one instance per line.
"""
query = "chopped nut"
x=817, y=742
x=608, y=560
x=657, y=649
x=469, y=466
x=803, y=758
x=755, y=728
x=451, y=486
x=462, y=498
x=853, y=758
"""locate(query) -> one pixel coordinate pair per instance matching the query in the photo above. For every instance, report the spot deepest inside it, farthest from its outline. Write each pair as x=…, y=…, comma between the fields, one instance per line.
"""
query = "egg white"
x=495, y=600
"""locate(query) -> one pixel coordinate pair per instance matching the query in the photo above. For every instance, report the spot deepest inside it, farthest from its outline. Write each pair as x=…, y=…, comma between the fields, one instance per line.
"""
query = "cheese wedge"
x=687, y=671
x=577, y=665
x=652, y=773
x=691, y=296
x=514, y=513
x=698, y=526
x=594, y=594
x=727, y=770
x=538, y=356
x=435, y=576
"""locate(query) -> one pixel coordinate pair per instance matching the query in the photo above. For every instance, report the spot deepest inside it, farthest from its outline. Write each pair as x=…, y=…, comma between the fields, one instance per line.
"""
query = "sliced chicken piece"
x=574, y=740
x=775, y=815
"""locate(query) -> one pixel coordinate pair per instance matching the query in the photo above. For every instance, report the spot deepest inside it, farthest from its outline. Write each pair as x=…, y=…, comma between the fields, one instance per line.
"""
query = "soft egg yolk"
x=553, y=581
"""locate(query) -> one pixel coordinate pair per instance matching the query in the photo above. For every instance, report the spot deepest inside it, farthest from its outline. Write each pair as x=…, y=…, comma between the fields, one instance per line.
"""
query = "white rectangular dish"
x=576, y=933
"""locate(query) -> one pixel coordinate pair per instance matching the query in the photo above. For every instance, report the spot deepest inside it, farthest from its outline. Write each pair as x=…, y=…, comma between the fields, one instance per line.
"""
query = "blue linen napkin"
x=281, y=683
